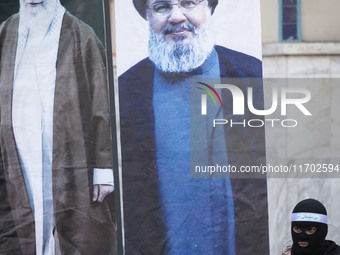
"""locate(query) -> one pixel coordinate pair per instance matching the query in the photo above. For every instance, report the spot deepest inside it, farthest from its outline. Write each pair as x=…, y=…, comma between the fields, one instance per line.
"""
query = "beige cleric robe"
x=81, y=142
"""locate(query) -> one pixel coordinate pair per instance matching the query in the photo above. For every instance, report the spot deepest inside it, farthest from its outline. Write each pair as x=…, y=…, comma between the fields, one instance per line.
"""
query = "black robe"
x=143, y=219
x=81, y=141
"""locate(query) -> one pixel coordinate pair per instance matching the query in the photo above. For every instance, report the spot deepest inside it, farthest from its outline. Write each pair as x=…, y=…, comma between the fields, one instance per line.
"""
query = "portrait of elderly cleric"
x=56, y=175
x=166, y=211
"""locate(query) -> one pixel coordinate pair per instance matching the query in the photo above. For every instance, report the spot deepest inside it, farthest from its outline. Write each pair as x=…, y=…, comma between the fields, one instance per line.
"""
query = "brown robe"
x=81, y=141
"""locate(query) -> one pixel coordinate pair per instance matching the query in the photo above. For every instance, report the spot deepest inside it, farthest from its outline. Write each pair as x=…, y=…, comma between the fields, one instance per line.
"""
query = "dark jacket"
x=331, y=248
x=143, y=219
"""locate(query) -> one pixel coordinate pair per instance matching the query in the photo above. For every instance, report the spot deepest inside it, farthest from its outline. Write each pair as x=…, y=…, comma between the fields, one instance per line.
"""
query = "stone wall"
x=317, y=137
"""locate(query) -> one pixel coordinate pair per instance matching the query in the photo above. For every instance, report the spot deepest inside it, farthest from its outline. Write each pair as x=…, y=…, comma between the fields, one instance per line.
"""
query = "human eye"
x=297, y=229
x=311, y=230
x=161, y=7
x=188, y=4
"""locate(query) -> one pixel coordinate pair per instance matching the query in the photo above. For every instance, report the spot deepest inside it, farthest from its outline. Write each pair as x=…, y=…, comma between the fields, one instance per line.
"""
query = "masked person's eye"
x=297, y=229
x=311, y=230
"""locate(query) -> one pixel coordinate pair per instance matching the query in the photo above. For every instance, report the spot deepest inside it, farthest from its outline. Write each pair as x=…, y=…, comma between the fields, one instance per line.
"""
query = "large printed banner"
x=56, y=177
x=171, y=58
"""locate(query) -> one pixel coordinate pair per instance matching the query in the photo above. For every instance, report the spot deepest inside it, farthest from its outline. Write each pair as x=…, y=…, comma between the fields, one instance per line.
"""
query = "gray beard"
x=178, y=57
x=38, y=17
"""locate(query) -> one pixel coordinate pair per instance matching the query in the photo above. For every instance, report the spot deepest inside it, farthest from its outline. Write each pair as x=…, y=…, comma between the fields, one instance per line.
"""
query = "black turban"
x=140, y=6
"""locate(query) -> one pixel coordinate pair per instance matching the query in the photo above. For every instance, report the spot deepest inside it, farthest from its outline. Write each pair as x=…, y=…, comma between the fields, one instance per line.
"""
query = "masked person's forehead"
x=304, y=226
x=308, y=225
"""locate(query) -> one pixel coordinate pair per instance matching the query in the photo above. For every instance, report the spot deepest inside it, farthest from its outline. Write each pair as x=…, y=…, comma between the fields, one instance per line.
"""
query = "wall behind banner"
x=317, y=55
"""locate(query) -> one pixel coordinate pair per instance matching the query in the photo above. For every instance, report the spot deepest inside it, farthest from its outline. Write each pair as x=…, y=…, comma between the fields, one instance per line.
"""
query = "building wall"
x=270, y=21
x=317, y=56
x=320, y=137
x=320, y=20
x=301, y=60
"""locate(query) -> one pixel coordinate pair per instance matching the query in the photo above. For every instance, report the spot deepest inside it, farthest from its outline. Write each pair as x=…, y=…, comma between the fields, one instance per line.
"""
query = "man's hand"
x=100, y=191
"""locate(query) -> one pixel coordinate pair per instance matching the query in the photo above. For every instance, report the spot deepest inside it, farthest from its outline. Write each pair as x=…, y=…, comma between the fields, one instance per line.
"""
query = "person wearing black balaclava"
x=309, y=229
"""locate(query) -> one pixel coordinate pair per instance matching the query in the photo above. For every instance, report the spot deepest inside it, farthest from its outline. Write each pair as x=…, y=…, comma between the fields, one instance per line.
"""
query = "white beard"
x=178, y=57
x=38, y=18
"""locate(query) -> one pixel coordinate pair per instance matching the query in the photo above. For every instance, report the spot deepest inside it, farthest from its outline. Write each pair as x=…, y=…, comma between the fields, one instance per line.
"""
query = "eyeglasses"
x=163, y=8
x=308, y=231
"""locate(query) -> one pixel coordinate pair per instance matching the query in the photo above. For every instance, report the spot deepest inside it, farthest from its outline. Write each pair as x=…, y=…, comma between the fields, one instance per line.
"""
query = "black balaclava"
x=309, y=213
